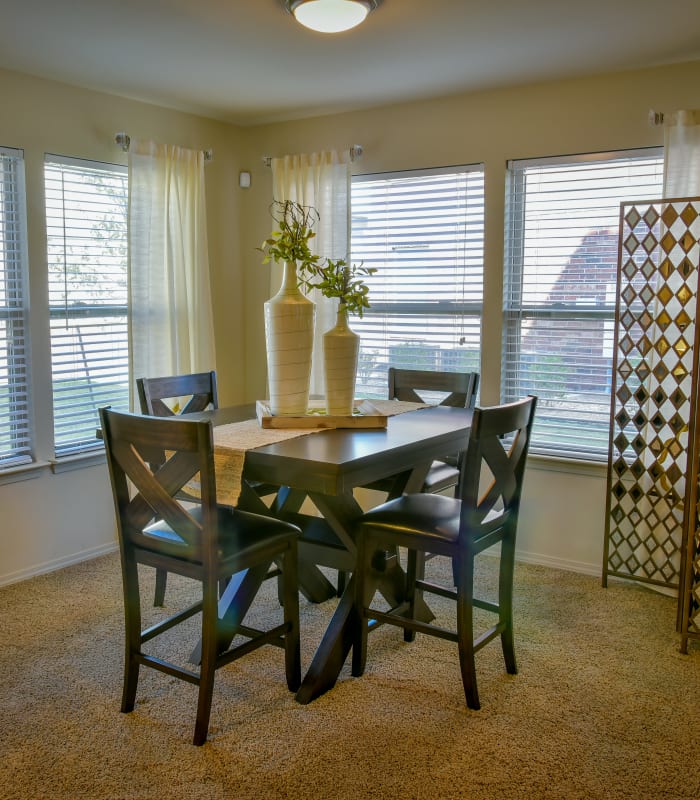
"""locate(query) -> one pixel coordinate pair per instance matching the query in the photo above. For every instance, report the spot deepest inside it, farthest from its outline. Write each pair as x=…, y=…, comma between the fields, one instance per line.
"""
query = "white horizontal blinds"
x=424, y=232
x=86, y=230
x=560, y=290
x=15, y=431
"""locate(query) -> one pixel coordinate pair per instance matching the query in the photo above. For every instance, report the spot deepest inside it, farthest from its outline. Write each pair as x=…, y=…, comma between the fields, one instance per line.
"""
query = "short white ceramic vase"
x=341, y=347
x=289, y=337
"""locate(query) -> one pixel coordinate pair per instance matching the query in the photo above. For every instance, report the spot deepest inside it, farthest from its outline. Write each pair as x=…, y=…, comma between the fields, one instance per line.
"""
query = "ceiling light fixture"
x=330, y=16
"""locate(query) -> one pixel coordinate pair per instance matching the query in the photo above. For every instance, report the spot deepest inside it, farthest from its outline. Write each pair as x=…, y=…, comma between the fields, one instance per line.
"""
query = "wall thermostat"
x=244, y=180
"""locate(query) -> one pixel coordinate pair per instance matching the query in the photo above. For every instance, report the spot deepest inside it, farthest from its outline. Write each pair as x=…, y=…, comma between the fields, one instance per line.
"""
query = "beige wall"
x=564, y=505
x=605, y=113
x=54, y=519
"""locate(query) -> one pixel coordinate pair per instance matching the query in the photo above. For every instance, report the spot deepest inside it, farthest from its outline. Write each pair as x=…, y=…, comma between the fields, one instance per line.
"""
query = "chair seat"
x=431, y=517
x=242, y=535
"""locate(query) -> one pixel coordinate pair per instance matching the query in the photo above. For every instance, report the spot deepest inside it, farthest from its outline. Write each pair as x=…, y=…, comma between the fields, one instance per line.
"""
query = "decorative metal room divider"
x=652, y=532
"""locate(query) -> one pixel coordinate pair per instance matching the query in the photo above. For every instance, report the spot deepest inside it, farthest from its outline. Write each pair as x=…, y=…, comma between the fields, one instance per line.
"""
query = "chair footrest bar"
x=168, y=668
x=166, y=624
x=486, y=636
x=254, y=633
x=268, y=637
x=397, y=611
x=485, y=605
x=433, y=588
x=415, y=625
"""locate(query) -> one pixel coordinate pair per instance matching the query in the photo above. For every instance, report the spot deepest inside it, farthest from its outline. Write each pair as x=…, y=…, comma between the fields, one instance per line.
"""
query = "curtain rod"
x=355, y=152
x=124, y=140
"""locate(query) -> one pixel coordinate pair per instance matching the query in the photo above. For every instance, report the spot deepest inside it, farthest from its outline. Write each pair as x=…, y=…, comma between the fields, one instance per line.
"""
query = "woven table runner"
x=233, y=440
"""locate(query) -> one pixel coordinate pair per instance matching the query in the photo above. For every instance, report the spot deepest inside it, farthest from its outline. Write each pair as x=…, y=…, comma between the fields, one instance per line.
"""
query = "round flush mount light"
x=330, y=16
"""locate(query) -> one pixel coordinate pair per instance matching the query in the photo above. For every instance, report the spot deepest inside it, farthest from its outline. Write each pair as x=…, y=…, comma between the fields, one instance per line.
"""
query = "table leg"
x=392, y=583
x=233, y=606
x=313, y=584
x=330, y=656
x=337, y=641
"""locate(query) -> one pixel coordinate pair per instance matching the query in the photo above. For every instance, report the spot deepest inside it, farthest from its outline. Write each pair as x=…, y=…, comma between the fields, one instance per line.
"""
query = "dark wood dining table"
x=328, y=467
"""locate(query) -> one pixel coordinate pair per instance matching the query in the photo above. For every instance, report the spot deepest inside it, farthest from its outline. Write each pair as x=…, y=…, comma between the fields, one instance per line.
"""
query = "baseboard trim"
x=582, y=567
x=537, y=559
x=58, y=563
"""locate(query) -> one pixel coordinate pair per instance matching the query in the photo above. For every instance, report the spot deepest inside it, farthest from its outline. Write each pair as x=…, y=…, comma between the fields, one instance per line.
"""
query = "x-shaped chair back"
x=407, y=385
x=492, y=470
x=137, y=443
x=199, y=387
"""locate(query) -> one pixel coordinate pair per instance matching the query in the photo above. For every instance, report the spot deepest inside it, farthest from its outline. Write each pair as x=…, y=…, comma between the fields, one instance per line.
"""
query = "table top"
x=336, y=461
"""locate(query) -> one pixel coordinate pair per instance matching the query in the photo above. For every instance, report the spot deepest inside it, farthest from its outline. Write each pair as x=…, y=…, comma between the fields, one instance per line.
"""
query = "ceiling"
x=249, y=62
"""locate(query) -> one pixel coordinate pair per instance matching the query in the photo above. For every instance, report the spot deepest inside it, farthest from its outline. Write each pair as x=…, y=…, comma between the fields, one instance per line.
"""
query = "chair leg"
x=132, y=634
x=505, y=602
x=161, y=580
x=290, y=603
x=208, y=663
x=342, y=580
x=415, y=568
x=359, y=644
x=465, y=628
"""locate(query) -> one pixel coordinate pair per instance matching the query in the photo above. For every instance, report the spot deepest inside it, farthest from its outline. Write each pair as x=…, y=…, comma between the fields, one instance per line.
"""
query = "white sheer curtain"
x=171, y=329
x=321, y=180
x=682, y=154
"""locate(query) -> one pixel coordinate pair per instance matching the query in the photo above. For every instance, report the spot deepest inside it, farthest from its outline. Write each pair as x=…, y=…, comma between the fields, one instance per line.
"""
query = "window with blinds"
x=424, y=232
x=86, y=231
x=560, y=290
x=15, y=429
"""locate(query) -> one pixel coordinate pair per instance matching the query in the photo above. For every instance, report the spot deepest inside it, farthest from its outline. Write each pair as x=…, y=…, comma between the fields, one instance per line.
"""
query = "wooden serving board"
x=365, y=416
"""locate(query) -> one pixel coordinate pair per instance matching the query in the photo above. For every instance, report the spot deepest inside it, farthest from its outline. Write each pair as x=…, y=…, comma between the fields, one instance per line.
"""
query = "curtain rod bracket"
x=123, y=140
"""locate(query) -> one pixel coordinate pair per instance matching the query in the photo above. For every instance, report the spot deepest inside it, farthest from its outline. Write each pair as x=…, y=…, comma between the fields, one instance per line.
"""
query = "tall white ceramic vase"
x=289, y=337
x=341, y=346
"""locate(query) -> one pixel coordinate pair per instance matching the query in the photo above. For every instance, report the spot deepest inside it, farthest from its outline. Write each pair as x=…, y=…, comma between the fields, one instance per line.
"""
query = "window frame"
x=516, y=310
x=14, y=312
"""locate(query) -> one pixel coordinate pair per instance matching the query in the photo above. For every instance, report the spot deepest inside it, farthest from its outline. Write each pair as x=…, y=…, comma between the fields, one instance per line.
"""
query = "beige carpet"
x=604, y=706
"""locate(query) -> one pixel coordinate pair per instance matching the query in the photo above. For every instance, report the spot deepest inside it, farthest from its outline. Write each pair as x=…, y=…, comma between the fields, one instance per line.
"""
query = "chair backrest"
x=493, y=467
x=149, y=513
x=459, y=387
x=189, y=393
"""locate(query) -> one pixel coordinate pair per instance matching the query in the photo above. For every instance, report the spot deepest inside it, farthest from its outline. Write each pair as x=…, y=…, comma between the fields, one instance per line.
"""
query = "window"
x=424, y=232
x=86, y=231
x=560, y=288
x=15, y=443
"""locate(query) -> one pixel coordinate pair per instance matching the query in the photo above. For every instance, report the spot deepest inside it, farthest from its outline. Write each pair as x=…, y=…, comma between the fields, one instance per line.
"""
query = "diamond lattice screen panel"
x=654, y=391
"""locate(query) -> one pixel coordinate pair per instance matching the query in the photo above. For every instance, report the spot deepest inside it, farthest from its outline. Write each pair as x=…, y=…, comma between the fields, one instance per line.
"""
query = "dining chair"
x=484, y=513
x=170, y=396
x=178, y=394
x=204, y=542
x=454, y=389
x=435, y=388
